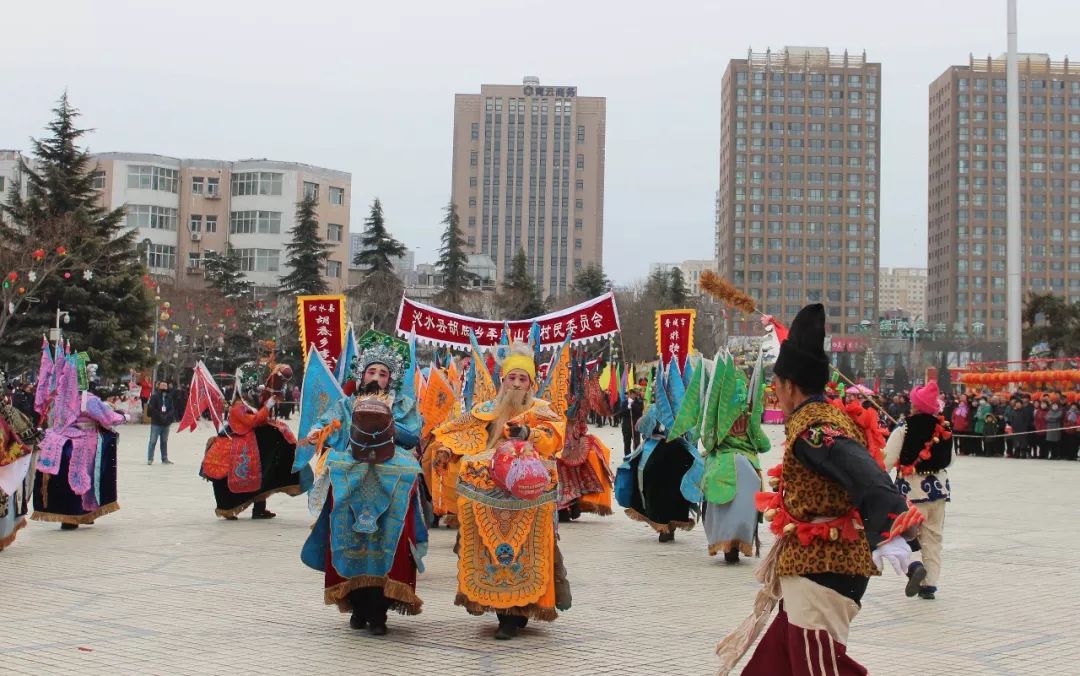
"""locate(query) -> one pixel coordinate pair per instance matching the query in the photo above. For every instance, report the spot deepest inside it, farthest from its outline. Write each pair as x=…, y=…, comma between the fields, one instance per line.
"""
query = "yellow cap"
x=519, y=361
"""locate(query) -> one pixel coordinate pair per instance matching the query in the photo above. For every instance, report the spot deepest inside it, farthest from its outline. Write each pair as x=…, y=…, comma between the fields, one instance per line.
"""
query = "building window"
x=99, y=181
x=258, y=260
x=579, y=204
x=311, y=191
x=211, y=223
x=577, y=243
x=472, y=202
x=337, y=196
x=146, y=177
x=213, y=187
x=194, y=260
x=580, y=161
x=161, y=257
x=333, y=269
x=247, y=222
x=472, y=181
x=195, y=223
x=581, y=133
x=196, y=185
x=475, y=131
x=156, y=218
x=333, y=232
x=256, y=183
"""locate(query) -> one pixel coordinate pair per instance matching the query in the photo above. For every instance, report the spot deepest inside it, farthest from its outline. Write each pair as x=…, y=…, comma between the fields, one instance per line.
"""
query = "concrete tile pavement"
x=164, y=587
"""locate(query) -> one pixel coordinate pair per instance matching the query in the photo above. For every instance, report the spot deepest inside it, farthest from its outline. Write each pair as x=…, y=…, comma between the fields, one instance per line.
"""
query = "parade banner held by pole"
x=675, y=335
x=322, y=324
x=590, y=321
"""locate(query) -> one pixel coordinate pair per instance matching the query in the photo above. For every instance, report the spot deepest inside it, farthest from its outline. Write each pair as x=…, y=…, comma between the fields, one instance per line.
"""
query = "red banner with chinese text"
x=587, y=322
x=322, y=325
x=675, y=335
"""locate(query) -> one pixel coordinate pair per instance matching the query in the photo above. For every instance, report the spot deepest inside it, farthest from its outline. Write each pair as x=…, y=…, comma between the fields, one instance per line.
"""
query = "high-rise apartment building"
x=185, y=208
x=528, y=174
x=967, y=202
x=797, y=209
x=902, y=291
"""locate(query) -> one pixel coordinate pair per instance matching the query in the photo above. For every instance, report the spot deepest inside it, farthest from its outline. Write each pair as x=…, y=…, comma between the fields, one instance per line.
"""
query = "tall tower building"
x=967, y=205
x=797, y=210
x=528, y=174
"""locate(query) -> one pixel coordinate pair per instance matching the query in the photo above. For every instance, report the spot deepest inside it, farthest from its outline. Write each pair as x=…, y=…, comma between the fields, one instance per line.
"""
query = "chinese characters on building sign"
x=558, y=92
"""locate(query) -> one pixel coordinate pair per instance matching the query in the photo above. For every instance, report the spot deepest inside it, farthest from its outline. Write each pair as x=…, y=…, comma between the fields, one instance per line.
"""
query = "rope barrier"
x=957, y=435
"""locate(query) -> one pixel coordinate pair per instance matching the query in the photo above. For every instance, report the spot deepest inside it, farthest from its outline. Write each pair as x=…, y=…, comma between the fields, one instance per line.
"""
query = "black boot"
x=916, y=574
x=927, y=593
x=68, y=526
x=357, y=620
x=508, y=627
x=667, y=537
x=732, y=556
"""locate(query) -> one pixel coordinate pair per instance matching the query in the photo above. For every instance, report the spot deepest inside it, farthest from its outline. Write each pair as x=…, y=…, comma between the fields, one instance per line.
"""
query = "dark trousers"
x=370, y=603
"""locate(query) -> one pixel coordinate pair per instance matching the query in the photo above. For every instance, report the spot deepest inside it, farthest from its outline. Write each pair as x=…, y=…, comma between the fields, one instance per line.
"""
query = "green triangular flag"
x=712, y=402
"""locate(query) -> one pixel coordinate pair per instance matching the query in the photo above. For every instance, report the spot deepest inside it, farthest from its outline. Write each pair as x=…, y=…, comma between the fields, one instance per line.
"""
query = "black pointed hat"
x=802, y=356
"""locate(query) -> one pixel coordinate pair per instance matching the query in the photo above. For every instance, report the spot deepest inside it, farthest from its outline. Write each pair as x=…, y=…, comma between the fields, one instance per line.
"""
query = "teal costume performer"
x=370, y=535
x=659, y=483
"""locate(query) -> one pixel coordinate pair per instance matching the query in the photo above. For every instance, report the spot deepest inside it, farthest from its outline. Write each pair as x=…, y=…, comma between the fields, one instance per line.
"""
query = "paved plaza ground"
x=165, y=587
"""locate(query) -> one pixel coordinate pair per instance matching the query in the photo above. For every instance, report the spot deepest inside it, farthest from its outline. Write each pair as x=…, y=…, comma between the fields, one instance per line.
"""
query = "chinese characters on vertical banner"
x=322, y=326
x=675, y=335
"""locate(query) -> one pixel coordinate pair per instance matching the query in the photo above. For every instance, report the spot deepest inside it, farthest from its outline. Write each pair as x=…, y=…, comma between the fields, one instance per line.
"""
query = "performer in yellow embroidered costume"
x=508, y=562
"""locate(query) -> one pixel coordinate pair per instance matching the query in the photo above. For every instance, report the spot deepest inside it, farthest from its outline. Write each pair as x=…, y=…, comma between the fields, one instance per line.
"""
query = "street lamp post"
x=55, y=333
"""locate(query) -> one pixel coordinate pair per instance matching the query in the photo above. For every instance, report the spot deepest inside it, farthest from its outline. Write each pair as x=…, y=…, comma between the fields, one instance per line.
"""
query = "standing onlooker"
x=1040, y=429
x=993, y=442
x=982, y=414
x=1017, y=420
x=1071, y=440
x=629, y=413
x=961, y=425
x=1053, y=431
x=145, y=390
x=162, y=410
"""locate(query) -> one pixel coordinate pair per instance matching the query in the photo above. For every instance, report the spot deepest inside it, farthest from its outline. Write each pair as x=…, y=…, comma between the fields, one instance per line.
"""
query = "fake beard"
x=372, y=387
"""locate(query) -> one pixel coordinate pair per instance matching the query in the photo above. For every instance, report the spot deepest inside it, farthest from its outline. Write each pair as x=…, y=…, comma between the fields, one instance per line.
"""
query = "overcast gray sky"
x=368, y=88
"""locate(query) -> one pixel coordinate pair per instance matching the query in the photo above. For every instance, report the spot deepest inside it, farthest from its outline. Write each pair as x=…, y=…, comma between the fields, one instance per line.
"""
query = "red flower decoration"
x=38, y=254
x=61, y=251
x=67, y=275
x=13, y=276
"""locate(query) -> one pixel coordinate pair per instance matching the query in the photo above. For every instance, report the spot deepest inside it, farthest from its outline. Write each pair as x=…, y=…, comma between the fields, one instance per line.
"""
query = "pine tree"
x=677, y=288
x=111, y=310
x=306, y=254
x=591, y=282
x=659, y=285
x=521, y=297
x=377, y=245
x=224, y=275
x=451, y=264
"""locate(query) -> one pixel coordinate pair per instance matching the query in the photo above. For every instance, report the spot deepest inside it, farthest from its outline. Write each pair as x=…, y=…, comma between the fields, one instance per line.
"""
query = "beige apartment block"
x=967, y=203
x=903, y=291
x=184, y=209
x=797, y=212
x=528, y=174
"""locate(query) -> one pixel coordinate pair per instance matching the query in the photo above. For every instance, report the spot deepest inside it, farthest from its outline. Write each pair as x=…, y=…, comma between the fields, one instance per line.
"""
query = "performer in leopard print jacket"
x=836, y=516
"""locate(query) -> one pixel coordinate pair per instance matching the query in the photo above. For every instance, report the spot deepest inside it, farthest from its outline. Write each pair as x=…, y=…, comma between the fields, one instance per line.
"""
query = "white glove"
x=896, y=551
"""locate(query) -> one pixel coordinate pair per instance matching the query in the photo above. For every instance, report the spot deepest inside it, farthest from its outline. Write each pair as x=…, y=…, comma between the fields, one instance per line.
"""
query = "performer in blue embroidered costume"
x=370, y=536
x=658, y=484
